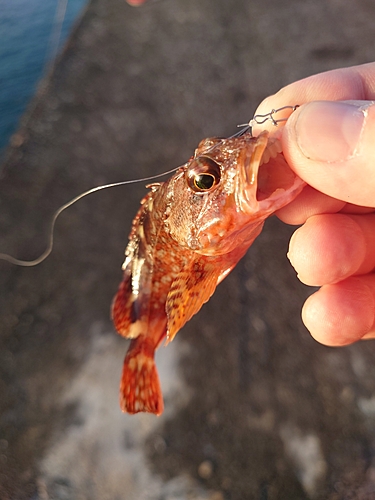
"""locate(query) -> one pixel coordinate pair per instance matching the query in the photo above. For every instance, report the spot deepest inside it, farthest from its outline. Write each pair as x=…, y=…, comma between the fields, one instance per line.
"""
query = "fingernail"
x=330, y=131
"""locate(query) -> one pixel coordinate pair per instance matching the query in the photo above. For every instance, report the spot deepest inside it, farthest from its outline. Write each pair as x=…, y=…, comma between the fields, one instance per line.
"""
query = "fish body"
x=188, y=234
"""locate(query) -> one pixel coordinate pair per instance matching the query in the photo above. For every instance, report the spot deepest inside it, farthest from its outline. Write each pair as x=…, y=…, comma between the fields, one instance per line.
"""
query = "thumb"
x=331, y=146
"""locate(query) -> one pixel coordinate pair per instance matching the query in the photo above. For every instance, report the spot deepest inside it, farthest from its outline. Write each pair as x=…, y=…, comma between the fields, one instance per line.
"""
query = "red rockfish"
x=187, y=236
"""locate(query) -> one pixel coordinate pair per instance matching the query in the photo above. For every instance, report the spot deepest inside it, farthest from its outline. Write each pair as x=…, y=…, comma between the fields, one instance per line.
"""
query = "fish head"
x=220, y=198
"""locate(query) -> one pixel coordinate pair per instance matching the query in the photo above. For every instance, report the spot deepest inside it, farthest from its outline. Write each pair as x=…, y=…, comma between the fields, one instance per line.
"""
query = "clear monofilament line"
x=46, y=253
x=256, y=119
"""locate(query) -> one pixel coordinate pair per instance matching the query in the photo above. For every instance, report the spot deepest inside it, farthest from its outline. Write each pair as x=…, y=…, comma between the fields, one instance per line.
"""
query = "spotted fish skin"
x=188, y=234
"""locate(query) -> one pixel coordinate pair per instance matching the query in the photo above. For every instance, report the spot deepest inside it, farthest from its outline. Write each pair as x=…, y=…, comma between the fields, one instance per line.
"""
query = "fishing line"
x=257, y=119
x=55, y=36
x=47, y=252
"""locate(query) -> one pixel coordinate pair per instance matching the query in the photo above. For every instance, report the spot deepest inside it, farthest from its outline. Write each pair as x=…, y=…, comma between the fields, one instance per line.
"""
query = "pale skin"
x=331, y=146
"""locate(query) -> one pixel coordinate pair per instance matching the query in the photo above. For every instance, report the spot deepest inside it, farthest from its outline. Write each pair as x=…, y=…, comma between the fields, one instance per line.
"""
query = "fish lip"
x=249, y=162
x=259, y=194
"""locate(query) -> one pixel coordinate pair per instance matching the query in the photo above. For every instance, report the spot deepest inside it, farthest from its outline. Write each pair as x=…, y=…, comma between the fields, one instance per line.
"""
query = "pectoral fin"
x=189, y=291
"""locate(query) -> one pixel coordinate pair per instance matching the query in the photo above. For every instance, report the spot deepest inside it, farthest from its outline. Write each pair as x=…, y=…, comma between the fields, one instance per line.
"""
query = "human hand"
x=331, y=145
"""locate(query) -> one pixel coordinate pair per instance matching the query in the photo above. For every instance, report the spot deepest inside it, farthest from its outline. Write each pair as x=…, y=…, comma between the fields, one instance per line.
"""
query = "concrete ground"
x=255, y=409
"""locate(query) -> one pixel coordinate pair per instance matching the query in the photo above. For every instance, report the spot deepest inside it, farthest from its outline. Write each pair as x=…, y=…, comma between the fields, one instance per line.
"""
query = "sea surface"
x=31, y=34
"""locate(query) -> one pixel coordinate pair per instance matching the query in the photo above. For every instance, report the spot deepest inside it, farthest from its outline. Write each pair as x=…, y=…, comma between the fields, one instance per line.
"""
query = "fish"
x=188, y=234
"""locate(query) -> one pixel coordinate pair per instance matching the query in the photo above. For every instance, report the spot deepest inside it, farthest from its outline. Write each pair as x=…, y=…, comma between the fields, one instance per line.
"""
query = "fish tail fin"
x=140, y=387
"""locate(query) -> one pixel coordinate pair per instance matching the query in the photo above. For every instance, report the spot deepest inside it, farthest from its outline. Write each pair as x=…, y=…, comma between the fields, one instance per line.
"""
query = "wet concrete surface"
x=255, y=409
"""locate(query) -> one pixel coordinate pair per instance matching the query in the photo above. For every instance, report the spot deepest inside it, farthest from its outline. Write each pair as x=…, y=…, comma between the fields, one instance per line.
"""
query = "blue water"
x=29, y=32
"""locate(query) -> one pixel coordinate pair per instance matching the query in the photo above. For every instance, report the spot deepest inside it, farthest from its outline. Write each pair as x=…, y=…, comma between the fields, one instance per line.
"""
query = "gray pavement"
x=255, y=409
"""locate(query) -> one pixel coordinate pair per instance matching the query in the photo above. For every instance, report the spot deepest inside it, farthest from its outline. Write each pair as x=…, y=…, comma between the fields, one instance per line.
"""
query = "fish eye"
x=203, y=175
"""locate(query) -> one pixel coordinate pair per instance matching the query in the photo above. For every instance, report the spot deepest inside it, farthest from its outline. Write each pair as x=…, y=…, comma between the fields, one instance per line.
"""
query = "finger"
x=330, y=145
x=308, y=203
x=329, y=248
x=349, y=208
x=357, y=82
x=370, y=335
x=343, y=313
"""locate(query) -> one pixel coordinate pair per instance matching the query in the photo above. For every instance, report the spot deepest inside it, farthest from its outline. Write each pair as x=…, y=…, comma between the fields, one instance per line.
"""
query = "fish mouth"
x=268, y=183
